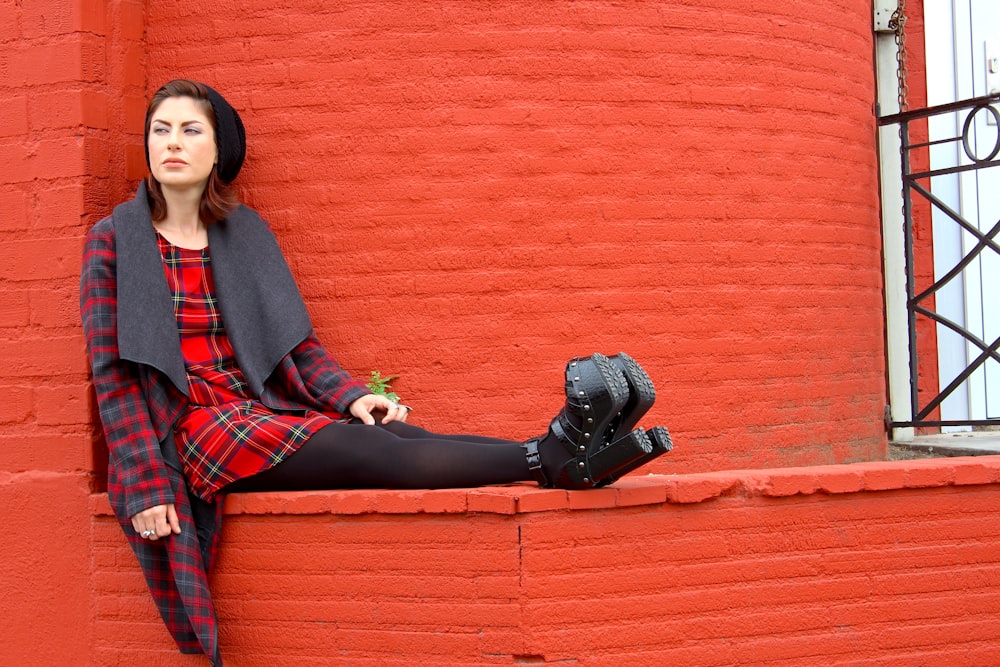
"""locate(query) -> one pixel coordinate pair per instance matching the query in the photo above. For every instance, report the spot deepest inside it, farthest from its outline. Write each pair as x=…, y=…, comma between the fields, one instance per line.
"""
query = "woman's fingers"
x=156, y=522
x=364, y=407
x=172, y=520
x=396, y=412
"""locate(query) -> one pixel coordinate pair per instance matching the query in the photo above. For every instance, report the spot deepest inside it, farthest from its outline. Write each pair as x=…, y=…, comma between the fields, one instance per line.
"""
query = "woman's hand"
x=364, y=407
x=156, y=522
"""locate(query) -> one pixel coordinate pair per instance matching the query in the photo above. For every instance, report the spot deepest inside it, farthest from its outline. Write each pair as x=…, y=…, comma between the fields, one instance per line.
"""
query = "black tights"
x=391, y=456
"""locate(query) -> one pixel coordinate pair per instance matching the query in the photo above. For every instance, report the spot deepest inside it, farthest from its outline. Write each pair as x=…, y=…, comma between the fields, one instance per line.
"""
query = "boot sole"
x=660, y=444
x=642, y=394
x=612, y=460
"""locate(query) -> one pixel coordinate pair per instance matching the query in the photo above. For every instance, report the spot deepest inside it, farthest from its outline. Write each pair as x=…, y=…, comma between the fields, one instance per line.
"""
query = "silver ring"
x=148, y=533
x=405, y=407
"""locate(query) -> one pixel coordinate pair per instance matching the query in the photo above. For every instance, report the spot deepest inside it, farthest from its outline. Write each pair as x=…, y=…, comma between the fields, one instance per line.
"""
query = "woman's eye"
x=159, y=130
x=193, y=130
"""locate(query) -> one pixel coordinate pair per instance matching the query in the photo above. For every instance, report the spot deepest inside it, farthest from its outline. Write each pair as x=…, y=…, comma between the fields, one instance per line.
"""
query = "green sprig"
x=381, y=385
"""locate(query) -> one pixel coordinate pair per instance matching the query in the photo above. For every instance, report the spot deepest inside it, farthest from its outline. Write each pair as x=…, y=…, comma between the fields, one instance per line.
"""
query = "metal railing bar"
x=973, y=253
x=958, y=381
x=912, y=184
x=927, y=112
x=959, y=218
x=953, y=170
x=937, y=142
x=967, y=422
x=957, y=328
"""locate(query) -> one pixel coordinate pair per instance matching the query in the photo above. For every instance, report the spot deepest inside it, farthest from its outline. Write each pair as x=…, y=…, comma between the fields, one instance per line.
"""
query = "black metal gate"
x=921, y=304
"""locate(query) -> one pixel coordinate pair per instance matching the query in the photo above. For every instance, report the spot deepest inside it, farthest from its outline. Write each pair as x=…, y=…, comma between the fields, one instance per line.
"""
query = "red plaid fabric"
x=139, y=407
x=224, y=435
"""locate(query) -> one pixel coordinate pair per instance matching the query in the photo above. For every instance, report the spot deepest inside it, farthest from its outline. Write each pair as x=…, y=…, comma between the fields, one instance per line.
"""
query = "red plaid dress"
x=225, y=434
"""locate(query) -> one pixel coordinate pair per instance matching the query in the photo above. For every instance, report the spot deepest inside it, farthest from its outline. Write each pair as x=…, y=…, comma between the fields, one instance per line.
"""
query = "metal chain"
x=897, y=22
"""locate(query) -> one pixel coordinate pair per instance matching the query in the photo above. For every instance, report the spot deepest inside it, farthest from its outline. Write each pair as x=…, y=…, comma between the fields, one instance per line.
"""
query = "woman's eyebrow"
x=183, y=123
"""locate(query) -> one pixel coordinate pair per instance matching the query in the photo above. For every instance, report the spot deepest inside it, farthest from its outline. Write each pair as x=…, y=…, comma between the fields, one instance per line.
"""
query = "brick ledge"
x=629, y=492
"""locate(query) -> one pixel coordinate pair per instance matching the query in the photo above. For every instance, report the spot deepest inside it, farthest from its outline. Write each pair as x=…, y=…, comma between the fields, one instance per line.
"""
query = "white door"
x=985, y=40
x=960, y=35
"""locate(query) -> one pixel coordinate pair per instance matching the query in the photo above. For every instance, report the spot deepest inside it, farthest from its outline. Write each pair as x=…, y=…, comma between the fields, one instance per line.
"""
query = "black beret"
x=230, y=137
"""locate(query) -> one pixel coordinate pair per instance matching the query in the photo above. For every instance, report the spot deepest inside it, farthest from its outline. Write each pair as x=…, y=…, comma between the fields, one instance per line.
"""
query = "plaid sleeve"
x=330, y=386
x=128, y=430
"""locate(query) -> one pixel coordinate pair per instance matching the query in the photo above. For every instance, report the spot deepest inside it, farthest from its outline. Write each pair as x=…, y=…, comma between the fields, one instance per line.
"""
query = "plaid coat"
x=141, y=385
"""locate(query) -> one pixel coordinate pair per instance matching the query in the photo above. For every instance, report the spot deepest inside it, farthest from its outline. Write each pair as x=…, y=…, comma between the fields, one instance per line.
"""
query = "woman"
x=192, y=408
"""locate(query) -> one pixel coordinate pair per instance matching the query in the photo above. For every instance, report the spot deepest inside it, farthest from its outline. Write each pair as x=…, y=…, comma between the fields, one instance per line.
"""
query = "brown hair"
x=219, y=199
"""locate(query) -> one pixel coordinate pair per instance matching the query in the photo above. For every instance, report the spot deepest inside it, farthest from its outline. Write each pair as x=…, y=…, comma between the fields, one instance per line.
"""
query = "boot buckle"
x=534, y=461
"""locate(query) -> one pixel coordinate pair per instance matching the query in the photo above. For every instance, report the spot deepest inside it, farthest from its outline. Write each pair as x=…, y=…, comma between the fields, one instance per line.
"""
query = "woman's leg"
x=583, y=447
x=394, y=456
x=405, y=430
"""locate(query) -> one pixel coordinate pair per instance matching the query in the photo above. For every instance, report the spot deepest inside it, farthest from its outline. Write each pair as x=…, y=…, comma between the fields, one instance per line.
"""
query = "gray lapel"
x=147, y=329
x=261, y=307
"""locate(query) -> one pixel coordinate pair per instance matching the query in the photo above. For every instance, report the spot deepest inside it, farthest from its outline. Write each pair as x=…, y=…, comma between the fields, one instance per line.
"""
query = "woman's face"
x=181, y=144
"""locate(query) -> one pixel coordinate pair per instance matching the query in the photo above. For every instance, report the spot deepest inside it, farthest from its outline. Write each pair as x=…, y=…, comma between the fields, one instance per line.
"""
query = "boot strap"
x=535, y=461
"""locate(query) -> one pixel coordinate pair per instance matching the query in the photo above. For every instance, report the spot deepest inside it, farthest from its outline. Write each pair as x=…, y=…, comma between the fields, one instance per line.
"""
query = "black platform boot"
x=642, y=395
x=660, y=443
x=575, y=453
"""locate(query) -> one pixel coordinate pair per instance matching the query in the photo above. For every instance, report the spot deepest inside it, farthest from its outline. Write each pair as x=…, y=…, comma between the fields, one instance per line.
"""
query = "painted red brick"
x=56, y=158
x=41, y=259
x=14, y=205
x=41, y=357
x=48, y=582
x=15, y=403
x=810, y=578
x=470, y=194
x=60, y=206
x=61, y=406
x=491, y=114
x=39, y=453
x=56, y=307
x=13, y=116
x=14, y=309
x=42, y=62
x=47, y=18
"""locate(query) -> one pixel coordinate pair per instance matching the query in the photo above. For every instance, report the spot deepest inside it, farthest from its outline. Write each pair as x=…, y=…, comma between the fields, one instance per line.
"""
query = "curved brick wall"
x=472, y=193
x=848, y=565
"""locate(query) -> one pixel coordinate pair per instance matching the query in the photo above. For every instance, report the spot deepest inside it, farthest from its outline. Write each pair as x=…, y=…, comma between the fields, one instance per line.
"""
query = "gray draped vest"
x=261, y=307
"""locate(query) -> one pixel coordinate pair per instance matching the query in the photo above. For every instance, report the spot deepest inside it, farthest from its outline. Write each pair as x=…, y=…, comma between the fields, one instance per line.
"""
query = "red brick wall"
x=865, y=564
x=52, y=55
x=470, y=193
